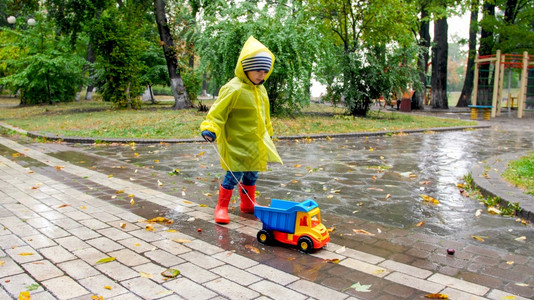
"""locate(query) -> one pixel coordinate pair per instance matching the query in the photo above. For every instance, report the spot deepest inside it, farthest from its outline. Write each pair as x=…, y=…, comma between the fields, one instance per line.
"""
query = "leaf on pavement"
x=107, y=287
x=181, y=241
x=170, y=273
x=59, y=168
x=478, y=238
x=437, y=296
x=252, y=248
x=63, y=205
x=358, y=287
x=105, y=260
x=145, y=275
x=26, y=253
x=333, y=260
x=362, y=232
x=521, y=238
x=428, y=199
x=25, y=295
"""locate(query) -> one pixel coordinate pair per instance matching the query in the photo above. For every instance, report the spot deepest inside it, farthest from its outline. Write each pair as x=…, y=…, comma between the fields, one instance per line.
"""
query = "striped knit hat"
x=262, y=61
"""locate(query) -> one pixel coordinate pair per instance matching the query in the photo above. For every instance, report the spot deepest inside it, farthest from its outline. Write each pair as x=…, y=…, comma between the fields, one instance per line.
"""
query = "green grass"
x=97, y=119
x=521, y=173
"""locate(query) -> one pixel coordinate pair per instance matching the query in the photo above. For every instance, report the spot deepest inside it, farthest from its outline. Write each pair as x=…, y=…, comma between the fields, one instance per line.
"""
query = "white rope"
x=228, y=167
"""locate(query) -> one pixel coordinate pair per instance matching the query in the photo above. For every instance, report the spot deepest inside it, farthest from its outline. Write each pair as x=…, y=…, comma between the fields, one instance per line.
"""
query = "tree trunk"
x=467, y=90
x=485, y=91
x=422, y=60
x=181, y=100
x=439, y=64
x=91, y=60
x=204, y=85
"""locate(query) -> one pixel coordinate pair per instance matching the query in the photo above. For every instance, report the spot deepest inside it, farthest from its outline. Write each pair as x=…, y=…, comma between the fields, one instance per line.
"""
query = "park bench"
x=485, y=108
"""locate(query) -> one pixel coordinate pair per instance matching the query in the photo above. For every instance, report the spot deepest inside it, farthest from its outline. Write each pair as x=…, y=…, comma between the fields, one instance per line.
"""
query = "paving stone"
x=39, y=222
x=364, y=267
x=117, y=271
x=72, y=243
x=235, y=260
x=9, y=241
x=114, y=233
x=10, y=268
x=276, y=291
x=136, y=245
x=94, y=224
x=415, y=282
x=128, y=257
x=237, y=275
x=146, y=288
x=403, y=268
x=163, y=258
x=24, y=254
x=146, y=236
x=231, y=290
x=17, y=283
x=460, y=295
x=65, y=288
x=189, y=289
x=315, y=290
x=172, y=246
x=54, y=232
x=153, y=271
x=84, y=233
x=105, y=244
x=272, y=274
x=204, y=247
x=195, y=273
x=77, y=269
x=202, y=260
x=39, y=241
x=90, y=255
x=42, y=270
x=103, y=286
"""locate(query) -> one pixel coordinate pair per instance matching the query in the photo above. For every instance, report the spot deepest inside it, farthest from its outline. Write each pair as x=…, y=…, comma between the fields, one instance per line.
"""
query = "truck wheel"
x=264, y=236
x=305, y=244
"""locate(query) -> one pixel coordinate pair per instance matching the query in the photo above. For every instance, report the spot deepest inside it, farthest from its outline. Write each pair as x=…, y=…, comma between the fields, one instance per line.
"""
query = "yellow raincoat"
x=240, y=118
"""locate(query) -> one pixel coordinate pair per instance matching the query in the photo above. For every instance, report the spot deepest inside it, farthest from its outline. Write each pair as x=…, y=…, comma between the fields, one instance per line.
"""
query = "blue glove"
x=208, y=135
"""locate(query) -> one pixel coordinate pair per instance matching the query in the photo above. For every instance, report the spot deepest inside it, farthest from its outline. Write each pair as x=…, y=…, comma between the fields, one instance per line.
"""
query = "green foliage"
x=285, y=28
x=43, y=68
x=376, y=53
x=119, y=45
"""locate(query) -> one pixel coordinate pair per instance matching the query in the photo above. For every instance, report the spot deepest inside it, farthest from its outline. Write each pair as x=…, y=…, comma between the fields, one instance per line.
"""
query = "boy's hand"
x=208, y=135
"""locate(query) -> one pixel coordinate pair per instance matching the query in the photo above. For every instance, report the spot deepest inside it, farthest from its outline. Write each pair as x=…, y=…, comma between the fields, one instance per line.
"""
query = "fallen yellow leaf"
x=107, y=287
x=252, y=248
x=362, y=232
x=110, y=175
x=333, y=260
x=26, y=253
x=420, y=223
x=208, y=194
x=105, y=260
x=2, y=263
x=149, y=227
x=388, y=196
x=24, y=295
x=59, y=168
x=478, y=238
x=181, y=241
x=429, y=199
x=494, y=210
x=63, y=205
x=145, y=275
x=188, y=202
x=132, y=201
x=437, y=296
x=297, y=166
x=172, y=230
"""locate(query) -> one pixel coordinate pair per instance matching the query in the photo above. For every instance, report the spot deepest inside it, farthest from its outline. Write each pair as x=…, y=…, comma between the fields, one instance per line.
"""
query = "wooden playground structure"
x=495, y=65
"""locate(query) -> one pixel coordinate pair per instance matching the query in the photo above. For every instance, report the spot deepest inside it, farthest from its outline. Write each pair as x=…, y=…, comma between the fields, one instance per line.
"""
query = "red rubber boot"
x=221, y=210
x=247, y=202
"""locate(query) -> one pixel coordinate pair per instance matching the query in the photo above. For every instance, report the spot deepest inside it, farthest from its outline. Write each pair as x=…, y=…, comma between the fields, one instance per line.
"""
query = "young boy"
x=240, y=122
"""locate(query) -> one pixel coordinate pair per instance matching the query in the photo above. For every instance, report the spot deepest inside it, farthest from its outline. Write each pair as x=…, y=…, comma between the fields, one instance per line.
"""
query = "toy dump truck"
x=292, y=223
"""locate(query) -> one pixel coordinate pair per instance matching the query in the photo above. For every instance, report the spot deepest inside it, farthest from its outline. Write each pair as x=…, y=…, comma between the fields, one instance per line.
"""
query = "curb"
x=92, y=140
x=487, y=177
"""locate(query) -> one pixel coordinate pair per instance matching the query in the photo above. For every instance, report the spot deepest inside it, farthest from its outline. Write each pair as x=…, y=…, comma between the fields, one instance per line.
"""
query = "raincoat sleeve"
x=219, y=111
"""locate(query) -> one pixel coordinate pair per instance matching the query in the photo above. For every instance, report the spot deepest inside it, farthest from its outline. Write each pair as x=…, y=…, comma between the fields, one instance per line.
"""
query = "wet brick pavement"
x=66, y=205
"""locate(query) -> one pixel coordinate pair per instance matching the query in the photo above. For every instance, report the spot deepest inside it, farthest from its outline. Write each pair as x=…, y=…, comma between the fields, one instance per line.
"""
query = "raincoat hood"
x=251, y=48
x=240, y=119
